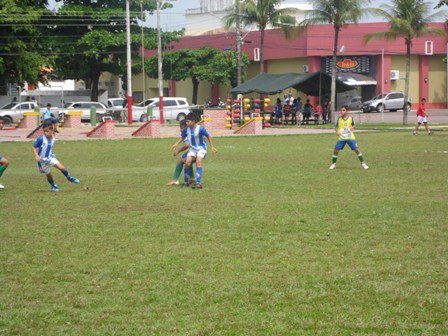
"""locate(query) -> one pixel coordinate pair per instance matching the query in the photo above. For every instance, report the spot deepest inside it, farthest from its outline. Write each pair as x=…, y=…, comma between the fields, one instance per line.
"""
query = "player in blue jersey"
x=344, y=129
x=4, y=163
x=43, y=153
x=196, y=135
x=181, y=161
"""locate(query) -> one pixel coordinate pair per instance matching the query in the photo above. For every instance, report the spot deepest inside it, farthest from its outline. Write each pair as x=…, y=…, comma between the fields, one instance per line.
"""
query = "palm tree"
x=407, y=19
x=262, y=13
x=338, y=13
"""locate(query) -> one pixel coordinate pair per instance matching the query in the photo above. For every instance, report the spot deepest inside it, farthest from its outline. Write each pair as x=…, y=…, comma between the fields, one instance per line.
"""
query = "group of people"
x=194, y=148
x=293, y=111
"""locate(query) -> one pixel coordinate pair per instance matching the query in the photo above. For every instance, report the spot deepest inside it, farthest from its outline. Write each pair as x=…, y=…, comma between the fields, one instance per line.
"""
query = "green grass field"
x=275, y=243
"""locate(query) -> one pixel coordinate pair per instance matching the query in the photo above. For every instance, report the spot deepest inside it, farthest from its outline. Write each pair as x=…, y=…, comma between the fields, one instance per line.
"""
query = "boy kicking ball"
x=195, y=135
x=43, y=153
x=344, y=129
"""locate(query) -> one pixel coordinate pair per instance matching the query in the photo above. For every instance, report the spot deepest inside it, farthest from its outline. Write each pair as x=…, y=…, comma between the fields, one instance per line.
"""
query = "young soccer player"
x=4, y=163
x=344, y=129
x=422, y=117
x=181, y=161
x=43, y=153
x=196, y=135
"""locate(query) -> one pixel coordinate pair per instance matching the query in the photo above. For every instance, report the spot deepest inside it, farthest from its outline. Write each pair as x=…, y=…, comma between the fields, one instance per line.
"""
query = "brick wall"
x=103, y=130
x=29, y=120
x=150, y=129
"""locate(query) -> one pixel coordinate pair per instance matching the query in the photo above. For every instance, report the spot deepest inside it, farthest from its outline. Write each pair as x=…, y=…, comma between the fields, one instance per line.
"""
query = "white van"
x=174, y=108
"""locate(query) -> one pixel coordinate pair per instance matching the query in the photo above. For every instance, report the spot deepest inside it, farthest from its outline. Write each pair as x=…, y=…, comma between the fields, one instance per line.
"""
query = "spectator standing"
x=326, y=110
x=307, y=112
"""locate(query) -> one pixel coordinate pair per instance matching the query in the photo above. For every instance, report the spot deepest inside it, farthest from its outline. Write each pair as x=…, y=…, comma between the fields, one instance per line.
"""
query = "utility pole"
x=143, y=53
x=238, y=41
x=128, y=62
x=159, y=62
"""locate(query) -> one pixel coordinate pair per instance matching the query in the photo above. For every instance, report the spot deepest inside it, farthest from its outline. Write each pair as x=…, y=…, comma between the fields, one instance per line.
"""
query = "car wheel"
x=180, y=116
x=380, y=108
x=7, y=120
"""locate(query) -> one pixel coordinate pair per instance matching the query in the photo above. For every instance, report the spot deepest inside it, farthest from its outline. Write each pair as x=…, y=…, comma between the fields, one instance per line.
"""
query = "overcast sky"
x=174, y=18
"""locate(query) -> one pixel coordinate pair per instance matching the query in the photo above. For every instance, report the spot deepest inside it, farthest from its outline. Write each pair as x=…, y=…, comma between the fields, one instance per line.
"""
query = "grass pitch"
x=275, y=243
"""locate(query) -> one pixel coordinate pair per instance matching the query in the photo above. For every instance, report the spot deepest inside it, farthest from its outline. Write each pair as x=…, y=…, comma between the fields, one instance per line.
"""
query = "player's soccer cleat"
x=173, y=182
x=197, y=186
x=414, y=133
x=364, y=166
x=333, y=166
x=429, y=133
x=74, y=180
x=54, y=188
x=2, y=186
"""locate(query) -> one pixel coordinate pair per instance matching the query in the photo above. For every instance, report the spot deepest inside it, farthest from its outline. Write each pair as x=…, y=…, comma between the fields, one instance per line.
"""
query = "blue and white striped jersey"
x=196, y=137
x=45, y=147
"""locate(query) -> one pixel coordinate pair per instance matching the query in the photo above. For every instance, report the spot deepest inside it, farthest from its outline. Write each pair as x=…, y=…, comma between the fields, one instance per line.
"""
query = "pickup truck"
x=13, y=112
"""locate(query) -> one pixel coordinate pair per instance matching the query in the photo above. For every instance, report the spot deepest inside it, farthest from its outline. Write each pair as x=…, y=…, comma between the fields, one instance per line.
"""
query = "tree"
x=22, y=55
x=338, y=13
x=205, y=64
x=90, y=38
x=407, y=19
x=263, y=13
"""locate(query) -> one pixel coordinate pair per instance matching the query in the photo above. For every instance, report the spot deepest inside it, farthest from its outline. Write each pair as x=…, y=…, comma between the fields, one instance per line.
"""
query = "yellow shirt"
x=344, y=127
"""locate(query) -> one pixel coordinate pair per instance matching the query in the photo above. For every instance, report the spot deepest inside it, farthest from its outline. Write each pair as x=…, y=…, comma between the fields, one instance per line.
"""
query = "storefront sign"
x=354, y=64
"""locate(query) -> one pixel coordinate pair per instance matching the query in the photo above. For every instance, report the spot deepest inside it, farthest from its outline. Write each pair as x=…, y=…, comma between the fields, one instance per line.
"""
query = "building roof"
x=315, y=41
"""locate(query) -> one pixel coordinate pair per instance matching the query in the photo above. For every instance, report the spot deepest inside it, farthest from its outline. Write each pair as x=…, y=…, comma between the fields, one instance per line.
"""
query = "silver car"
x=13, y=112
x=391, y=101
x=85, y=108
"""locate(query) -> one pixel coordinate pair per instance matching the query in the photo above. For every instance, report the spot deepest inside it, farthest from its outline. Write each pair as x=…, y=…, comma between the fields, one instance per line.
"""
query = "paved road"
x=436, y=116
x=123, y=131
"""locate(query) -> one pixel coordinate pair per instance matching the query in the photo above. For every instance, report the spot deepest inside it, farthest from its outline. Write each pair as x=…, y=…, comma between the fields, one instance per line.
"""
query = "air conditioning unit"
x=256, y=54
x=394, y=74
x=306, y=68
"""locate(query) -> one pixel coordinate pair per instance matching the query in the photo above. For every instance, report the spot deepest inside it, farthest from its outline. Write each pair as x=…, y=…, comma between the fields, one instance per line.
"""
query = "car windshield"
x=9, y=106
x=146, y=102
x=117, y=102
x=380, y=96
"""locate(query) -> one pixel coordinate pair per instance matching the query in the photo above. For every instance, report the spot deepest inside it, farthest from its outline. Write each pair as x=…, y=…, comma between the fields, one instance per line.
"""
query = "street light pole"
x=382, y=83
x=128, y=62
x=143, y=54
x=238, y=42
x=159, y=62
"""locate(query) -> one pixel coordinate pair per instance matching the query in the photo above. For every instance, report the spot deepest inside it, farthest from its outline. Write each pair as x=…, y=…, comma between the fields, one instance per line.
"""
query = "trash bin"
x=149, y=112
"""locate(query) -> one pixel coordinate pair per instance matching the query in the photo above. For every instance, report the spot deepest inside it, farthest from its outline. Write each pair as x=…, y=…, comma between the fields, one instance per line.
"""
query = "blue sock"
x=51, y=181
x=198, y=174
x=66, y=174
x=186, y=174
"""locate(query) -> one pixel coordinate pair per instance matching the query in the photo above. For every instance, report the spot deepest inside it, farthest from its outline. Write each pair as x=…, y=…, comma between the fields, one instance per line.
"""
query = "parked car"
x=13, y=112
x=84, y=107
x=174, y=108
x=355, y=103
x=391, y=101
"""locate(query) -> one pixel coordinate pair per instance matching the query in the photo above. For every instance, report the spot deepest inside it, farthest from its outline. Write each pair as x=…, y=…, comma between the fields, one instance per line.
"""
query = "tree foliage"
x=263, y=13
x=91, y=38
x=22, y=55
x=205, y=64
x=337, y=13
x=407, y=19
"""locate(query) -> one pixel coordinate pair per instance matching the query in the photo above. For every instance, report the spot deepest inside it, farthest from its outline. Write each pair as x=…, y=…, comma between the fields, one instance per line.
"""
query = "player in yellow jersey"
x=344, y=129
